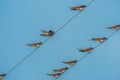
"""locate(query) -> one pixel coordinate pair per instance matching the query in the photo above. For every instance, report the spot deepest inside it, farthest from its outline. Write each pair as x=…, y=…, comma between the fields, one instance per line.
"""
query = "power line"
x=90, y=52
x=73, y=17
x=27, y=56
x=113, y=33
x=21, y=61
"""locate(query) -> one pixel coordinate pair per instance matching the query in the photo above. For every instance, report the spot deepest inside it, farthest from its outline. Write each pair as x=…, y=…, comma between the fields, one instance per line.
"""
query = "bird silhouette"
x=62, y=70
x=35, y=44
x=116, y=27
x=101, y=40
x=88, y=50
x=2, y=76
x=71, y=63
x=79, y=8
x=48, y=33
x=56, y=75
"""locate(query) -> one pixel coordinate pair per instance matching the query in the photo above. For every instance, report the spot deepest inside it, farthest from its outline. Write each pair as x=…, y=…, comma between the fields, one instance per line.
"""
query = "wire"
x=69, y=21
x=27, y=56
x=90, y=52
x=21, y=61
x=90, y=3
x=73, y=17
x=113, y=33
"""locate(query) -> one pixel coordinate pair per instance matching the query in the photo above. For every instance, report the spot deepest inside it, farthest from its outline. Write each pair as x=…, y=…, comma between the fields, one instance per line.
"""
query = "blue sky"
x=22, y=20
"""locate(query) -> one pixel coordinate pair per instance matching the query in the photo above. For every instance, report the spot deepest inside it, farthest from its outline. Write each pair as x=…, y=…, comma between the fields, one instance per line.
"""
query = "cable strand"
x=21, y=61
x=43, y=43
x=90, y=52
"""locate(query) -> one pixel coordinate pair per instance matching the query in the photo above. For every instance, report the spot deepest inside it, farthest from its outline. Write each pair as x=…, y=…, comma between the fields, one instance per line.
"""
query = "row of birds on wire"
x=71, y=63
x=50, y=33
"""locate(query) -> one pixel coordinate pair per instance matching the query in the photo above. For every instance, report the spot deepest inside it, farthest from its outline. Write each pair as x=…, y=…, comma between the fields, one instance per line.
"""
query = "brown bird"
x=2, y=76
x=101, y=40
x=79, y=8
x=88, y=50
x=35, y=44
x=116, y=27
x=71, y=63
x=62, y=70
x=48, y=33
x=57, y=75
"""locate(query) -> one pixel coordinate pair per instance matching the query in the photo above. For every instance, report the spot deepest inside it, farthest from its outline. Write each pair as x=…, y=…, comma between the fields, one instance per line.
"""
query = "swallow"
x=48, y=33
x=71, y=63
x=2, y=76
x=88, y=50
x=117, y=27
x=62, y=70
x=57, y=75
x=37, y=45
x=79, y=8
x=101, y=40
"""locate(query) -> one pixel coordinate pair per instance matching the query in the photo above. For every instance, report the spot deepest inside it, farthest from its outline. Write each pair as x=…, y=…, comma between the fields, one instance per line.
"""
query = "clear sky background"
x=22, y=20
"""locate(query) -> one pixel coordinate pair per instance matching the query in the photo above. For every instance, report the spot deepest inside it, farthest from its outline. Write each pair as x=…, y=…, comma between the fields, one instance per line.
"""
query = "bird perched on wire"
x=88, y=50
x=71, y=63
x=37, y=45
x=48, y=33
x=62, y=70
x=78, y=8
x=2, y=76
x=101, y=40
x=116, y=27
x=56, y=75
